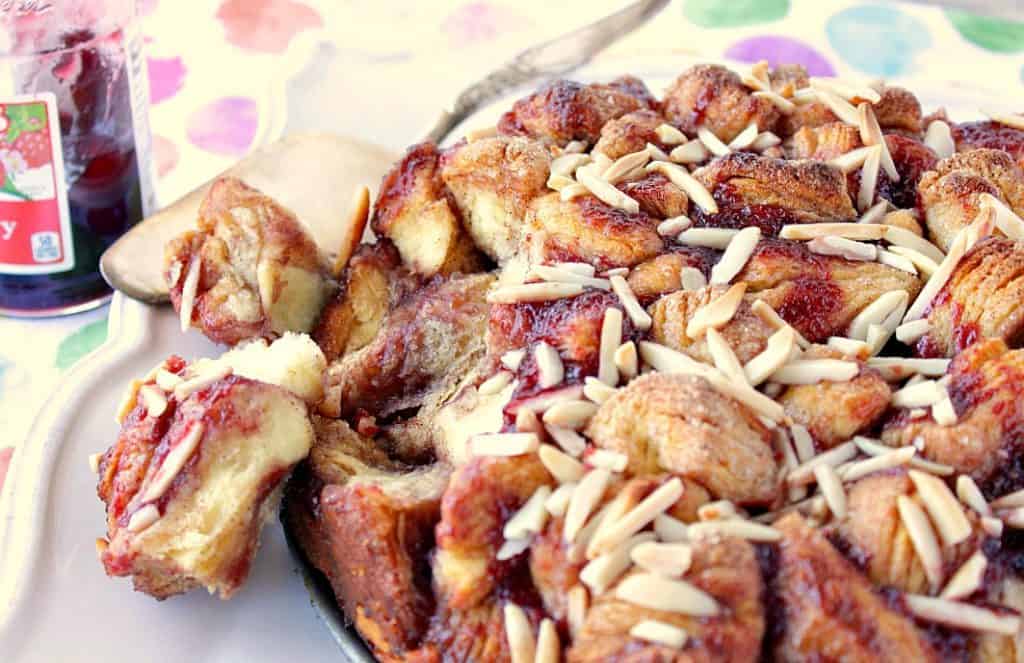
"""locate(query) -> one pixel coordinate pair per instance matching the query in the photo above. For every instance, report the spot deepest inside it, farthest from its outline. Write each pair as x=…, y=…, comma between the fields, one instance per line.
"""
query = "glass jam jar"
x=75, y=166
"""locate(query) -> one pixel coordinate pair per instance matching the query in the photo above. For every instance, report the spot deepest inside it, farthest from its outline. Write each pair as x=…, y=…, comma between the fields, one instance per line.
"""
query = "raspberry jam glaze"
x=94, y=78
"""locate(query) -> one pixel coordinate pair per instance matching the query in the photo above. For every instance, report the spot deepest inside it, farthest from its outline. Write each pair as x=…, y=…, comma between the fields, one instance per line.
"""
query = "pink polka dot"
x=781, y=50
x=5, y=461
x=165, y=154
x=481, y=21
x=265, y=25
x=166, y=78
x=226, y=126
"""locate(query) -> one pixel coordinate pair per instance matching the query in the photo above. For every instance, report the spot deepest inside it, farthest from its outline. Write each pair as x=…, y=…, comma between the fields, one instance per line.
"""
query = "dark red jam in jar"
x=74, y=148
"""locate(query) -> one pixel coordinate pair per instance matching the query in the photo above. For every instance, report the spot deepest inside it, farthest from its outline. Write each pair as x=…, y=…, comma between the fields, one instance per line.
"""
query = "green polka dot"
x=993, y=34
x=81, y=343
x=732, y=13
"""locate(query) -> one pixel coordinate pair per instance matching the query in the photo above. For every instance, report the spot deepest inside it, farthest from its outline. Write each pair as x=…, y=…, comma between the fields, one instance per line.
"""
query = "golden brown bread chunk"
x=834, y=412
x=476, y=634
x=985, y=384
x=747, y=333
x=260, y=273
x=587, y=230
x=425, y=345
x=493, y=181
x=657, y=196
x=875, y=531
x=565, y=110
x=819, y=295
x=823, y=142
x=808, y=191
x=630, y=133
x=661, y=275
x=830, y=611
x=681, y=424
x=712, y=96
x=984, y=298
x=189, y=482
x=728, y=570
x=413, y=211
x=988, y=134
x=374, y=281
x=950, y=192
x=552, y=569
x=898, y=110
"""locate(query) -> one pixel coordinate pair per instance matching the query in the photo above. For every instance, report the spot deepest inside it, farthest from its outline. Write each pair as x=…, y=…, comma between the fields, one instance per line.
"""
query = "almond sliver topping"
x=712, y=238
x=562, y=275
x=627, y=360
x=831, y=487
x=577, y=601
x=143, y=518
x=875, y=448
x=812, y=371
x=875, y=213
x=922, y=537
x=845, y=90
x=691, y=278
x=898, y=261
x=637, y=315
x=724, y=358
x=657, y=593
x=923, y=263
x=596, y=390
x=154, y=399
x=733, y=527
x=776, y=354
x=1009, y=501
x=896, y=458
x=671, y=560
x=910, y=332
x=201, y=381
x=560, y=465
x=682, y=178
x=1013, y=120
x=659, y=633
x=962, y=616
x=549, y=648
x=607, y=193
x=920, y=394
x=504, y=444
x=773, y=319
x=573, y=415
x=717, y=312
x=690, y=152
x=784, y=105
x=669, y=135
x=1005, y=218
x=584, y=500
x=569, y=440
x=869, y=178
x=530, y=518
x=512, y=359
x=559, y=182
x=167, y=380
x=903, y=237
x=639, y=516
x=745, y=138
x=625, y=165
x=602, y=572
x=842, y=108
x=969, y=493
x=611, y=339
x=765, y=140
x=967, y=579
x=609, y=460
x=549, y=365
x=937, y=280
x=939, y=138
x=567, y=164
x=670, y=530
x=558, y=503
x=886, y=306
x=173, y=463
x=712, y=142
x=859, y=231
x=533, y=292
x=736, y=255
x=871, y=134
x=852, y=160
x=522, y=647
x=673, y=226
x=804, y=473
x=572, y=191
x=188, y=293
x=495, y=383
x=942, y=507
x=899, y=368
x=844, y=248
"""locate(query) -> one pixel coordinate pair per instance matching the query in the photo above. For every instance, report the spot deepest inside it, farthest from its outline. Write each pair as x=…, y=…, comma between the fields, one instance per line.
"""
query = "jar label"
x=35, y=224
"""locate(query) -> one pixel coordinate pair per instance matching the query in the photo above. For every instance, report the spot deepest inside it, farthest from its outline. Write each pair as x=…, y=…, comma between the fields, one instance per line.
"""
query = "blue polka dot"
x=881, y=41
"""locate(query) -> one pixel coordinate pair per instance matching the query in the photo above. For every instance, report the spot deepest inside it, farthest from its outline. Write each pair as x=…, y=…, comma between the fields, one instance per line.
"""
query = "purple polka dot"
x=166, y=76
x=226, y=126
x=780, y=50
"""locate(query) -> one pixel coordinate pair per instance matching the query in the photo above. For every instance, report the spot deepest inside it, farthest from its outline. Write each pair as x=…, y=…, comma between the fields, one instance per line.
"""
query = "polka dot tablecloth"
x=230, y=74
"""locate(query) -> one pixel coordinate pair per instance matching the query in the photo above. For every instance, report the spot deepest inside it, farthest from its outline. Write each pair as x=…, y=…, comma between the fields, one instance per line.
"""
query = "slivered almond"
x=573, y=415
x=765, y=140
x=577, y=604
x=871, y=134
x=602, y=572
x=167, y=380
x=712, y=238
x=845, y=90
x=852, y=160
x=637, y=315
x=844, y=248
x=969, y=493
x=842, y=108
x=717, y=510
x=717, y=312
x=712, y=142
x=549, y=648
x=562, y=466
x=567, y=164
x=659, y=633
x=550, y=370
x=562, y=275
x=804, y=96
x=94, y=462
x=939, y=138
x=559, y=182
x=1005, y=218
x=669, y=135
x=911, y=332
x=1014, y=120
x=885, y=461
x=899, y=368
x=639, y=516
x=943, y=411
x=495, y=383
x=572, y=191
x=773, y=319
x=962, y=616
x=875, y=448
x=967, y=579
x=201, y=381
x=745, y=138
x=690, y=152
x=682, y=178
x=521, y=645
x=581, y=268
x=504, y=444
x=544, y=291
x=804, y=473
x=859, y=231
x=736, y=255
x=527, y=421
x=724, y=358
x=891, y=259
x=1009, y=501
x=992, y=526
x=627, y=360
x=558, y=502
x=671, y=560
x=670, y=529
x=611, y=339
x=569, y=440
x=512, y=548
x=921, y=394
x=658, y=593
x=575, y=147
x=812, y=371
x=596, y=390
x=607, y=193
x=1013, y=517
x=673, y=226
x=850, y=347
x=601, y=162
x=189, y=289
x=143, y=518
x=875, y=213
x=733, y=527
x=512, y=359
x=942, y=507
x=784, y=105
x=922, y=537
x=831, y=487
x=585, y=498
x=656, y=154
x=530, y=518
x=154, y=400
x=888, y=305
x=692, y=278
x=625, y=165
x=802, y=442
x=617, y=271
x=128, y=401
x=904, y=238
x=609, y=460
x=869, y=178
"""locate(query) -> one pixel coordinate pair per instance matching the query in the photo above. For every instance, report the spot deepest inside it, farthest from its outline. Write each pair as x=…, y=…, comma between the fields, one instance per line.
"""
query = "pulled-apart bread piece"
x=752, y=190
x=373, y=283
x=197, y=465
x=991, y=135
x=830, y=611
x=656, y=195
x=713, y=97
x=493, y=181
x=951, y=193
x=413, y=211
x=662, y=274
x=249, y=270
x=683, y=425
x=984, y=386
x=630, y=133
x=563, y=111
x=984, y=298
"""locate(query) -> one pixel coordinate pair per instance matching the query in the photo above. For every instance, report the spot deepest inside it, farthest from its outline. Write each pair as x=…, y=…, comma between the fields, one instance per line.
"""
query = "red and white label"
x=35, y=224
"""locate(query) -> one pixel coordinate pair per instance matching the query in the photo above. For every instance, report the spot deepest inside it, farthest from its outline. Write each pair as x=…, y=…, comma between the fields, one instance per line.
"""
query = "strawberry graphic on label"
x=34, y=147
